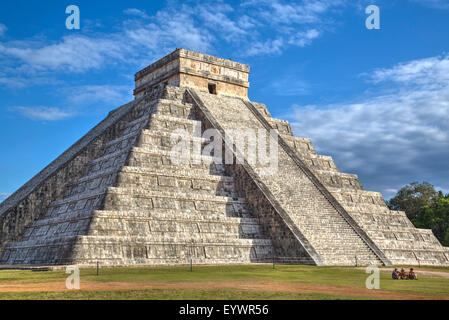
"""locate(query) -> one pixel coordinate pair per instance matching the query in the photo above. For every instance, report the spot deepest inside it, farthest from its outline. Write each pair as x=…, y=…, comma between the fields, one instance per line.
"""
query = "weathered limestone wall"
x=134, y=206
x=32, y=200
x=185, y=68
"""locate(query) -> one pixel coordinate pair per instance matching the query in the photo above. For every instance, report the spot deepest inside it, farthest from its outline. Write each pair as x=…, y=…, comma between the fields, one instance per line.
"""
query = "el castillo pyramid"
x=117, y=197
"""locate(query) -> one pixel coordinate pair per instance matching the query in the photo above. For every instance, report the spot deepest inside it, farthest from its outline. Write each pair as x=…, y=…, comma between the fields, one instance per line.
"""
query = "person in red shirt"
x=412, y=275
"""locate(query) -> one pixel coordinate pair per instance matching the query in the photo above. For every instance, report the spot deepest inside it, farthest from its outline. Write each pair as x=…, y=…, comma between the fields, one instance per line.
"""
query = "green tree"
x=436, y=217
x=413, y=197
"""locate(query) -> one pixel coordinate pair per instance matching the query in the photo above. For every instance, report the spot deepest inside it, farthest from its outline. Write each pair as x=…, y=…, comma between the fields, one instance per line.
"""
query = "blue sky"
x=376, y=100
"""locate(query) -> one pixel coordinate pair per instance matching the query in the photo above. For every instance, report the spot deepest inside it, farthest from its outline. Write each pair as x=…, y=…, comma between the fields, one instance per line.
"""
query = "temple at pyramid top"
x=184, y=68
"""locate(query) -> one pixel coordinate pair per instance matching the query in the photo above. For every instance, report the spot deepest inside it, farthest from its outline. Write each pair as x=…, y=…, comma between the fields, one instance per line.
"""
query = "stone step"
x=125, y=198
x=384, y=213
x=338, y=181
x=122, y=142
x=164, y=140
x=355, y=197
x=107, y=162
x=100, y=179
x=84, y=196
x=159, y=133
x=175, y=109
x=135, y=241
x=155, y=150
x=163, y=231
x=299, y=145
x=362, y=208
x=175, y=171
x=174, y=194
x=345, y=261
x=174, y=215
x=62, y=222
x=156, y=158
x=182, y=180
x=170, y=123
x=408, y=246
x=158, y=161
x=318, y=162
x=282, y=126
x=225, y=241
x=136, y=125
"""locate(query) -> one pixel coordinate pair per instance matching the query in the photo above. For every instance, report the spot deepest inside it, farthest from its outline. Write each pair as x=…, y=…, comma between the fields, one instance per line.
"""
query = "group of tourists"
x=396, y=275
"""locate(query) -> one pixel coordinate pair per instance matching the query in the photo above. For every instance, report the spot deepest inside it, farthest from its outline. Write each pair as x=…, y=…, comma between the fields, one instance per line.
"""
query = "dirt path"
x=273, y=286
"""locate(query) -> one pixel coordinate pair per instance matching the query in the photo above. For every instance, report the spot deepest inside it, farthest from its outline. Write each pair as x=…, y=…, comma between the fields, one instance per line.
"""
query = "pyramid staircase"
x=328, y=237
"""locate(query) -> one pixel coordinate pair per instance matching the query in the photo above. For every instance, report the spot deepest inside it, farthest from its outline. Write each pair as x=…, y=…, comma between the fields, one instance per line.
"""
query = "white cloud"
x=73, y=53
x=136, y=12
x=44, y=113
x=170, y=29
x=273, y=46
x=106, y=94
x=230, y=30
x=3, y=29
x=254, y=28
x=302, y=39
x=294, y=12
x=391, y=139
x=430, y=71
x=19, y=82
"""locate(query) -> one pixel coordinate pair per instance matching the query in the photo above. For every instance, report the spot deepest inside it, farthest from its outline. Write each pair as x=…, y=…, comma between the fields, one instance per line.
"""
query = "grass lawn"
x=223, y=282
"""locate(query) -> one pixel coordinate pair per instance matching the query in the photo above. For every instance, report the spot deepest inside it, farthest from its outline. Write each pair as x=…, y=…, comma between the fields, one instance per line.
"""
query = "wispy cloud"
x=389, y=139
x=44, y=113
x=303, y=12
x=20, y=82
x=136, y=12
x=428, y=72
x=75, y=54
x=268, y=27
x=109, y=94
x=302, y=39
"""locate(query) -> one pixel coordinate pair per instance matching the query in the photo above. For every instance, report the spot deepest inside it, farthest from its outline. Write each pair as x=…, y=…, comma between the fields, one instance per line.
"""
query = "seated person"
x=395, y=274
x=412, y=275
x=403, y=274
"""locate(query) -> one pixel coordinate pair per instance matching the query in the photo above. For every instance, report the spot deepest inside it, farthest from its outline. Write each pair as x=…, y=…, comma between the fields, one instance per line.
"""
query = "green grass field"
x=223, y=282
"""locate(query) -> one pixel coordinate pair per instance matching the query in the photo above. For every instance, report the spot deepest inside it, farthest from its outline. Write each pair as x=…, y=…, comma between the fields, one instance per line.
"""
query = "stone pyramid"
x=117, y=196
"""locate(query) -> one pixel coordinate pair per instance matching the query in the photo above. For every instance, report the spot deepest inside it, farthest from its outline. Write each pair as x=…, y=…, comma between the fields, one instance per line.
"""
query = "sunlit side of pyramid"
x=116, y=197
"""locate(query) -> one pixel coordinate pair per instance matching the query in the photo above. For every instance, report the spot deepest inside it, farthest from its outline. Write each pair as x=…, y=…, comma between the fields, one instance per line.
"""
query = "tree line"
x=425, y=207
